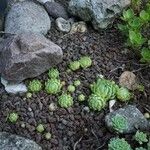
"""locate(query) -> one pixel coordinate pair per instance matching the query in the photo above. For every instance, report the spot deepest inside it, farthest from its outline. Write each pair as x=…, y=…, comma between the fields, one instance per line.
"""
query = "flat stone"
x=27, y=55
x=135, y=119
x=27, y=16
x=100, y=12
x=56, y=10
x=14, y=142
x=14, y=88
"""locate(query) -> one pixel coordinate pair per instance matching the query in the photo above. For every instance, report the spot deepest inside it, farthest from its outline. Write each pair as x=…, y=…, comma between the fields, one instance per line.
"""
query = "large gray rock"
x=27, y=16
x=100, y=12
x=135, y=119
x=56, y=10
x=27, y=55
x=14, y=142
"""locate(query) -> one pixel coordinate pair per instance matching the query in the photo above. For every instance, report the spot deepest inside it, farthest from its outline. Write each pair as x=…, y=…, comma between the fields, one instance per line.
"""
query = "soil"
x=77, y=128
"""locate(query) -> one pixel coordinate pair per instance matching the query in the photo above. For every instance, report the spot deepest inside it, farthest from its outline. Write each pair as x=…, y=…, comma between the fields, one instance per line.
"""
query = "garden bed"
x=77, y=128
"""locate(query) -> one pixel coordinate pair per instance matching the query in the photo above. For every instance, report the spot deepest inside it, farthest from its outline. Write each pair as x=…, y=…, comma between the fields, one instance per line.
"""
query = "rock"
x=10, y=3
x=14, y=142
x=14, y=88
x=78, y=27
x=100, y=12
x=44, y=1
x=1, y=22
x=63, y=25
x=135, y=119
x=128, y=80
x=27, y=17
x=27, y=55
x=56, y=10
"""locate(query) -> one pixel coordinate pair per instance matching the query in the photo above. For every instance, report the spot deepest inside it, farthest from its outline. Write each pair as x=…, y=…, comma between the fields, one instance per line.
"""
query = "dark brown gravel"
x=76, y=128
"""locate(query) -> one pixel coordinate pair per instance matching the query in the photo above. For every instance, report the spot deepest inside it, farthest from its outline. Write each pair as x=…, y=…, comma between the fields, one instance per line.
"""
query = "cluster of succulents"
x=65, y=100
x=119, y=123
x=121, y=144
x=106, y=89
x=13, y=117
x=84, y=62
x=35, y=86
x=53, y=86
x=141, y=137
x=118, y=144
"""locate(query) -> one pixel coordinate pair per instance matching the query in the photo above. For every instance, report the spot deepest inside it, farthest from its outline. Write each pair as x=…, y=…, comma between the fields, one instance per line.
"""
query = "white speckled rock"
x=27, y=16
x=63, y=25
x=14, y=142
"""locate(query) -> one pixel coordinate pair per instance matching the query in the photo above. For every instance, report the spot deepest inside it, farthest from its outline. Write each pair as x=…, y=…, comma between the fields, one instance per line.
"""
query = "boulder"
x=100, y=12
x=135, y=119
x=27, y=55
x=14, y=142
x=56, y=10
x=27, y=16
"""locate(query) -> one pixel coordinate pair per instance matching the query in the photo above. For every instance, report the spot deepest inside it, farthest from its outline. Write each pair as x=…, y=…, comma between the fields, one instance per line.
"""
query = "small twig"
x=101, y=146
x=75, y=145
x=94, y=133
x=141, y=69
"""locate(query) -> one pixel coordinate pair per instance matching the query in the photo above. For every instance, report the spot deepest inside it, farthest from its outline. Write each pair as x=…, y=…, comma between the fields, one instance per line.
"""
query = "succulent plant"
x=96, y=102
x=29, y=95
x=123, y=94
x=13, y=117
x=106, y=89
x=74, y=65
x=65, y=100
x=85, y=62
x=40, y=128
x=71, y=88
x=53, y=73
x=81, y=98
x=35, y=86
x=119, y=123
x=141, y=137
x=53, y=86
x=140, y=148
x=118, y=144
x=77, y=83
x=48, y=136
